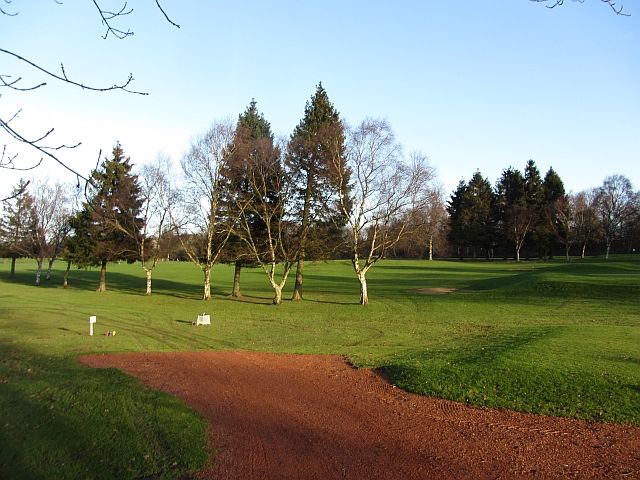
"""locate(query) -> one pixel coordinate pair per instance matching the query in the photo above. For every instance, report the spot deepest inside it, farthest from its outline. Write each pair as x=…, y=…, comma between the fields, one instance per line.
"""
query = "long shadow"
x=63, y=420
x=87, y=279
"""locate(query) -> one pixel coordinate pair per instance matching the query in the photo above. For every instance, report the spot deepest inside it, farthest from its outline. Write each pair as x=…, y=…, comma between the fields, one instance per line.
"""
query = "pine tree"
x=514, y=216
x=18, y=225
x=555, y=212
x=115, y=212
x=455, y=209
x=477, y=207
x=252, y=146
x=316, y=152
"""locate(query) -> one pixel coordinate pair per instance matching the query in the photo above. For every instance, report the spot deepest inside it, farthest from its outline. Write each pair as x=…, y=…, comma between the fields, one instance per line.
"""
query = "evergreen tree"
x=455, y=209
x=534, y=201
x=555, y=213
x=18, y=225
x=115, y=212
x=316, y=151
x=477, y=212
x=252, y=146
x=80, y=245
x=515, y=218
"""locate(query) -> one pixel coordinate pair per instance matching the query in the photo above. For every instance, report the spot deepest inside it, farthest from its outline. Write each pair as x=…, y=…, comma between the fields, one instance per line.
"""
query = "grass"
x=554, y=338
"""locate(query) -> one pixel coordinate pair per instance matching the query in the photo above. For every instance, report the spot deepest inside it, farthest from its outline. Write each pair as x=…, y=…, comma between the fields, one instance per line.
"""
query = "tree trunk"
x=12, y=272
x=584, y=249
x=51, y=260
x=65, y=284
x=277, y=295
x=566, y=253
x=517, y=254
x=148, y=275
x=39, y=270
x=608, y=249
x=207, y=284
x=297, y=289
x=236, y=279
x=430, y=247
x=364, y=294
x=102, y=286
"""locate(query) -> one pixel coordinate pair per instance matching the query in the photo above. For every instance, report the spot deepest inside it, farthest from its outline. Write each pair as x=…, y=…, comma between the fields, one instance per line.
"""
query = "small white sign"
x=203, y=319
x=92, y=320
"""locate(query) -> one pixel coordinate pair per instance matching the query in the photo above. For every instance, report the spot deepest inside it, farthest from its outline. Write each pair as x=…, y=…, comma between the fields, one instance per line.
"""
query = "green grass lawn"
x=554, y=338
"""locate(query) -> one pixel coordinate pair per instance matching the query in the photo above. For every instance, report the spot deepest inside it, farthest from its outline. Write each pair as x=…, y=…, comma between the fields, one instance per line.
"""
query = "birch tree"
x=275, y=245
x=614, y=202
x=51, y=204
x=157, y=197
x=384, y=192
x=587, y=226
x=202, y=229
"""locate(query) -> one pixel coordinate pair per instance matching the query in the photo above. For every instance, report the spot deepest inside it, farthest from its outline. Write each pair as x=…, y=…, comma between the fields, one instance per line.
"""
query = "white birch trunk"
x=148, y=275
x=39, y=270
x=207, y=284
x=364, y=294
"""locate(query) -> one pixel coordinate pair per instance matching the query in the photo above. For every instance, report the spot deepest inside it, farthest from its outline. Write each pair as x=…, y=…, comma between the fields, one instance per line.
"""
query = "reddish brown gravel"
x=315, y=417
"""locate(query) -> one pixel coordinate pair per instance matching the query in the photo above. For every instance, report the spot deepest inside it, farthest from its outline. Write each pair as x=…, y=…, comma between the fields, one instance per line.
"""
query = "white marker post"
x=92, y=320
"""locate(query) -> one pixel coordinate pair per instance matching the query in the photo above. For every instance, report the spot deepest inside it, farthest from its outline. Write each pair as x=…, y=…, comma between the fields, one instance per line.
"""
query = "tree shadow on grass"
x=63, y=420
x=87, y=279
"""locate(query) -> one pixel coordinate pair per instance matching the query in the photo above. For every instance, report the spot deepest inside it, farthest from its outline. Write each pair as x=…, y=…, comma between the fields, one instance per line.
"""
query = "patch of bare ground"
x=315, y=417
x=434, y=290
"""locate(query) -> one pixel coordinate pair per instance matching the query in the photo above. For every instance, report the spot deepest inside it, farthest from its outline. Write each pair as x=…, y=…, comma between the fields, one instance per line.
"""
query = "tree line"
x=526, y=213
x=242, y=196
x=328, y=190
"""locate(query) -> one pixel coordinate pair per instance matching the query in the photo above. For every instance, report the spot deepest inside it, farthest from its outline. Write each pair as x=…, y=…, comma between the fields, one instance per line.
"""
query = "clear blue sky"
x=472, y=84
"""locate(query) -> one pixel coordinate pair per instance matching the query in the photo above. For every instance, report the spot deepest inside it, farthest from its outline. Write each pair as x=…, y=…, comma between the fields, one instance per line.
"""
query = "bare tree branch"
x=66, y=79
x=611, y=3
x=46, y=150
x=7, y=161
x=107, y=15
x=165, y=15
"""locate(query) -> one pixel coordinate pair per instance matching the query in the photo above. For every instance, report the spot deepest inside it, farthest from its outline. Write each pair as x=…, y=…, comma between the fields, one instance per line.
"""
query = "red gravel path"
x=315, y=417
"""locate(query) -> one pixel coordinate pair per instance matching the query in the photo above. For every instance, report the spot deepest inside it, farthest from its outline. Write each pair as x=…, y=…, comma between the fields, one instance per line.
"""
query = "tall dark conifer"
x=554, y=206
x=115, y=212
x=18, y=225
x=253, y=146
x=316, y=149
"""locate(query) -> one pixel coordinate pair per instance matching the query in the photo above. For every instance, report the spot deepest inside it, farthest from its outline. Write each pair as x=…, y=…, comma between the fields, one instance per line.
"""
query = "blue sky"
x=472, y=84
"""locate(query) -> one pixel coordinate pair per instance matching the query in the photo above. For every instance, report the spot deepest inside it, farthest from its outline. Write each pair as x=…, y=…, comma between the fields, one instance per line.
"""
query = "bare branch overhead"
x=611, y=3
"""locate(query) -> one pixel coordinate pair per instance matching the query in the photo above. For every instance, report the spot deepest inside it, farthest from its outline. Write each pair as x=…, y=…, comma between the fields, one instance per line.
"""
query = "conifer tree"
x=252, y=145
x=316, y=149
x=18, y=225
x=115, y=212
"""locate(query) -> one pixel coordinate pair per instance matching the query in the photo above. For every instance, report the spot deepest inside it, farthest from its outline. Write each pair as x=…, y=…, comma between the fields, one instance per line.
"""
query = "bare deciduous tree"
x=202, y=229
x=275, y=246
x=585, y=218
x=385, y=191
x=614, y=202
x=157, y=197
x=52, y=211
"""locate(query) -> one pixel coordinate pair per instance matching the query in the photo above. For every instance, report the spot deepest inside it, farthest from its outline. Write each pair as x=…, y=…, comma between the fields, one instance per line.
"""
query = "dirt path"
x=315, y=417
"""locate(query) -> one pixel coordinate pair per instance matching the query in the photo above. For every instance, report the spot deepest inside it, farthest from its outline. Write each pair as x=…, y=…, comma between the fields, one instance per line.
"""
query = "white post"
x=92, y=320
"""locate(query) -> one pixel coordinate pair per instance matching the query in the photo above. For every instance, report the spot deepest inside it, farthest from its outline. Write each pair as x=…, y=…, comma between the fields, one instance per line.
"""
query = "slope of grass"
x=555, y=338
